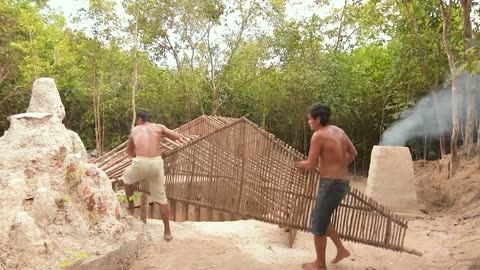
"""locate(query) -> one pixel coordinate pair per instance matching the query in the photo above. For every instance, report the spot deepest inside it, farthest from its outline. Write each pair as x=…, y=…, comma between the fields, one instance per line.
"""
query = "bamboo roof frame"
x=232, y=165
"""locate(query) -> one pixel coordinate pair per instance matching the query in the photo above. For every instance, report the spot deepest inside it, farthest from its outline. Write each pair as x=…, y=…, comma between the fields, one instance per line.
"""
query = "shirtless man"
x=331, y=151
x=147, y=164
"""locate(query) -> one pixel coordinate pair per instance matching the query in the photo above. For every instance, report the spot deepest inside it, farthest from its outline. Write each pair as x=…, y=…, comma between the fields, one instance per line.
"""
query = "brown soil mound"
x=436, y=191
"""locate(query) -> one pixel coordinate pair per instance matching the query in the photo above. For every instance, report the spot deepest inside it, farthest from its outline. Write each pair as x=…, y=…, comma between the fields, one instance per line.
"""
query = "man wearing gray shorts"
x=147, y=164
x=331, y=151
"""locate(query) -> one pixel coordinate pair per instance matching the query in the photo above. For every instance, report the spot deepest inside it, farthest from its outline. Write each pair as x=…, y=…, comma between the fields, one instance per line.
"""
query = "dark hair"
x=321, y=111
x=144, y=115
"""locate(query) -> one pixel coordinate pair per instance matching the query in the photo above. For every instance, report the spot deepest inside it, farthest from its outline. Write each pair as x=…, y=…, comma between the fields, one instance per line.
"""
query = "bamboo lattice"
x=234, y=166
x=115, y=161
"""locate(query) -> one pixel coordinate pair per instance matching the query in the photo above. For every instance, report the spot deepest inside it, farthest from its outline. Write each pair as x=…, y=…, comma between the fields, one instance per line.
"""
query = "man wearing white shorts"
x=147, y=164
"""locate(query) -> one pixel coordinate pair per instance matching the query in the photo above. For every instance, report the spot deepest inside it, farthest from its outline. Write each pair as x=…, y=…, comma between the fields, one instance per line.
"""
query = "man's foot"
x=167, y=236
x=341, y=254
x=313, y=266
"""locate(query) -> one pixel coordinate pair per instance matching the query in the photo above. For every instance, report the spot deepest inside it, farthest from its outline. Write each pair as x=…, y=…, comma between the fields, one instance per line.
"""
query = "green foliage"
x=122, y=198
x=386, y=55
x=136, y=195
x=472, y=63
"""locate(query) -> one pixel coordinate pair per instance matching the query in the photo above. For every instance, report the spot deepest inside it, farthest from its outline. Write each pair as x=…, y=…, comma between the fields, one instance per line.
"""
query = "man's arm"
x=130, y=146
x=313, y=154
x=351, y=151
x=169, y=133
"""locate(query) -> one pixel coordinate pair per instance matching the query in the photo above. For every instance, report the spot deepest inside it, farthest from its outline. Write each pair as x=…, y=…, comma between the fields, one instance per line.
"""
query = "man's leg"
x=160, y=196
x=342, y=252
x=341, y=189
x=131, y=175
x=129, y=193
x=164, y=214
x=320, y=247
x=320, y=221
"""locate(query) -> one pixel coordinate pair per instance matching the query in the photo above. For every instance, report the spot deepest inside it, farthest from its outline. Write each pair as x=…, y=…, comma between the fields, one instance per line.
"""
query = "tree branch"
x=340, y=28
x=14, y=92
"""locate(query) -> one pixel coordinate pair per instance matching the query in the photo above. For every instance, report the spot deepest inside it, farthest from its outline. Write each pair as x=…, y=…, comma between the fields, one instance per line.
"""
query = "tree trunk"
x=96, y=108
x=425, y=151
x=297, y=137
x=470, y=121
x=441, y=137
x=446, y=12
x=340, y=28
x=34, y=54
x=134, y=90
x=213, y=77
x=187, y=99
x=135, y=69
x=478, y=143
x=196, y=87
x=215, y=84
x=182, y=75
x=264, y=116
x=433, y=86
x=456, y=126
x=215, y=94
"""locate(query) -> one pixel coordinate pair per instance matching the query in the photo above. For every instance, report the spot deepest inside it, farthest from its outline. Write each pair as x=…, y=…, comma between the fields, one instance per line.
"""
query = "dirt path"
x=447, y=243
x=448, y=239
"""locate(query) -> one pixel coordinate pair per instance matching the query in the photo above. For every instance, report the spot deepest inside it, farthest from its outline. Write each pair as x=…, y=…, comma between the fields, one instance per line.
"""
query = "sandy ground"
x=447, y=243
x=448, y=239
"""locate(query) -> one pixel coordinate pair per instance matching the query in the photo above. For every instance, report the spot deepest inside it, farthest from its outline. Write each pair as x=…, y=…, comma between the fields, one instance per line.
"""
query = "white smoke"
x=421, y=120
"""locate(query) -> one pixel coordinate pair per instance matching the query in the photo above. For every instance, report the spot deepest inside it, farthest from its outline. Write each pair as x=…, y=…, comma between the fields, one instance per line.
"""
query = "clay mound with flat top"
x=391, y=179
x=57, y=211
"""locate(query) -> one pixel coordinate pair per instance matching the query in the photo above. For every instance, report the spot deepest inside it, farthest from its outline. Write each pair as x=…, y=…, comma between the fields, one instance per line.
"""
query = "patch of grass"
x=76, y=257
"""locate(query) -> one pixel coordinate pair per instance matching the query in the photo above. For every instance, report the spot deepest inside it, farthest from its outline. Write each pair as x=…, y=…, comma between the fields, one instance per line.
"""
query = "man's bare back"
x=146, y=139
x=336, y=152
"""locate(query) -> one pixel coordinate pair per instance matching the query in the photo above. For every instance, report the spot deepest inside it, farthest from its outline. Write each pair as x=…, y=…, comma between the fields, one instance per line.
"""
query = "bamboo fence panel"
x=232, y=165
x=263, y=172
